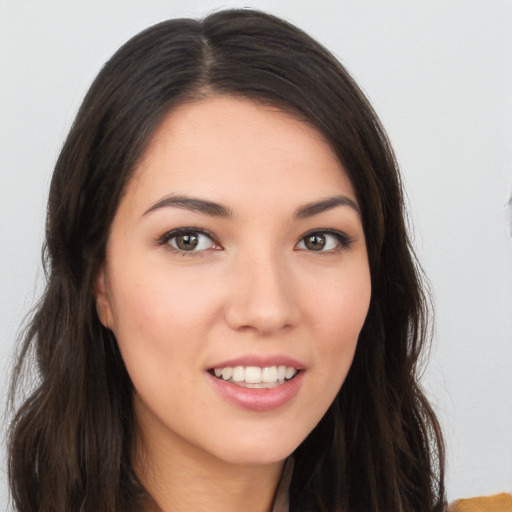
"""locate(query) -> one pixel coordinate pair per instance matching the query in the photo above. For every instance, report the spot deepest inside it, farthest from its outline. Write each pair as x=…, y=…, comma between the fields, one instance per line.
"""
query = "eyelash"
x=167, y=237
x=343, y=240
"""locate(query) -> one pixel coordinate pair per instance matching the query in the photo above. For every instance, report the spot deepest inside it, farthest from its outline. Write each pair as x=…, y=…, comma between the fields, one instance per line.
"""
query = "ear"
x=103, y=306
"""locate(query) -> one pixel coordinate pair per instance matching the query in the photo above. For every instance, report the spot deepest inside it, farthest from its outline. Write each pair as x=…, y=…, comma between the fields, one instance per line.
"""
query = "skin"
x=256, y=289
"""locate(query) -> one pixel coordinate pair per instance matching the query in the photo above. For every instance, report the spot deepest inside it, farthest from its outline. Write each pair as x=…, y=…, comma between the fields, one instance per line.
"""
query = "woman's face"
x=236, y=281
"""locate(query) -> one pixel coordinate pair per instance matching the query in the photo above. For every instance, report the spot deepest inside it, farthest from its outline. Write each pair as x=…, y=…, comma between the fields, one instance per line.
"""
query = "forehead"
x=234, y=148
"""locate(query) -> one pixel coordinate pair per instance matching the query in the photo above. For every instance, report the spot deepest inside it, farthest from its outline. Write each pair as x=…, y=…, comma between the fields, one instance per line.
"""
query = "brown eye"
x=186, y=242
x=324, y=241
x=315, y=242
x=190, y=241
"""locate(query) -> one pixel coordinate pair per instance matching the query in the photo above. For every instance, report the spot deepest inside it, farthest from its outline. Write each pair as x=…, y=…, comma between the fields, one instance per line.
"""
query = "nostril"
x=261, y=299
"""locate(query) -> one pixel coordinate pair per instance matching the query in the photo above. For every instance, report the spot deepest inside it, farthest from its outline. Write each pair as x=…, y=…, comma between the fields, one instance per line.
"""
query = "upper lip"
x=261, y=361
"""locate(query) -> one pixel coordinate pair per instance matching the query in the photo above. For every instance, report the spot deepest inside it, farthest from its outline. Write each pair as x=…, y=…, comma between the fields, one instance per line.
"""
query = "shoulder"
x=497, y=503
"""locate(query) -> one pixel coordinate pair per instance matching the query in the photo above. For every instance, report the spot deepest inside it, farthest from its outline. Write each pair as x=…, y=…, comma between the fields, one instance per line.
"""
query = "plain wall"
x=439, y=74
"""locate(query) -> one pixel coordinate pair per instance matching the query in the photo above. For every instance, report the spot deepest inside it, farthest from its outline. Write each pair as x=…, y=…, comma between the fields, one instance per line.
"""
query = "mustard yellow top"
x=497, y=503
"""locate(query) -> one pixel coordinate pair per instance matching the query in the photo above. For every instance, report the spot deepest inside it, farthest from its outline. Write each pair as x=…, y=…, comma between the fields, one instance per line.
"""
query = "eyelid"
x=344, y=240
x=164, y=239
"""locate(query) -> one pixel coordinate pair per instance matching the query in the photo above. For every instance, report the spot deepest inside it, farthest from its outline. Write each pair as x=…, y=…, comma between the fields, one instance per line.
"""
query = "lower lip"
x=258, y=399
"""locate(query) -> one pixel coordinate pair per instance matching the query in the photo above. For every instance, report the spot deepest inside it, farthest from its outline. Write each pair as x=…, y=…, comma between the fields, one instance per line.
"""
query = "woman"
x=233, y=315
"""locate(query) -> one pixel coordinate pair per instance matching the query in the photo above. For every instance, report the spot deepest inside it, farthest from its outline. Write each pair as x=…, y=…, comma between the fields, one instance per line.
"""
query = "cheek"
x=340, y=306
x=159, y=301
x=338, y=315
x=352, y=307
x=162, y=321
x=159, y=337
x=144, y=310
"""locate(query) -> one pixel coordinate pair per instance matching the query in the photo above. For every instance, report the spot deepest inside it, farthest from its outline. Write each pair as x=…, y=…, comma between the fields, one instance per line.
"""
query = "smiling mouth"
x=254, y=376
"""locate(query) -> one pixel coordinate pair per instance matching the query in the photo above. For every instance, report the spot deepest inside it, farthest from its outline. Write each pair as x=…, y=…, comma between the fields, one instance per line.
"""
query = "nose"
x=262, y=296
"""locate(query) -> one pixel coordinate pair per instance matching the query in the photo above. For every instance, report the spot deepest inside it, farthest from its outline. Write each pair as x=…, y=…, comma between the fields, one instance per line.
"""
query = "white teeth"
x=290, y=372
x=269, y=374
x=253, y=375
x=238, y=374
x=227, y=373
x=256, y=375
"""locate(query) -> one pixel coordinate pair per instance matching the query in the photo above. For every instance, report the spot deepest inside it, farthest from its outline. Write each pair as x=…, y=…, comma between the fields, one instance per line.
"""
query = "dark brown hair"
x=379, y=446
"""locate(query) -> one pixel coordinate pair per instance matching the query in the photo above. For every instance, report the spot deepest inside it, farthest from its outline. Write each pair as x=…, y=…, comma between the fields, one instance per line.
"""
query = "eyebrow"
x=218, y=210
x=317, y=207
x=193, y=204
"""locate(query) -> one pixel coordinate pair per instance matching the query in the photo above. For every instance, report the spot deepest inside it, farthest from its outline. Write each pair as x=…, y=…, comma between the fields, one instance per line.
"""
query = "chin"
x=261, y=457
x=259, y=450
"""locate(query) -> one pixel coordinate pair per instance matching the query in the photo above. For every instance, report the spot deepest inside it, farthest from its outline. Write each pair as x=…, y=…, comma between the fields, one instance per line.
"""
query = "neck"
x=181, y=477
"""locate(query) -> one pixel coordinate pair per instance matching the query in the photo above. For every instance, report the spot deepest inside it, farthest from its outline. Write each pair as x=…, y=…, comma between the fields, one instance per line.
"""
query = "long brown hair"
x=379, y=446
